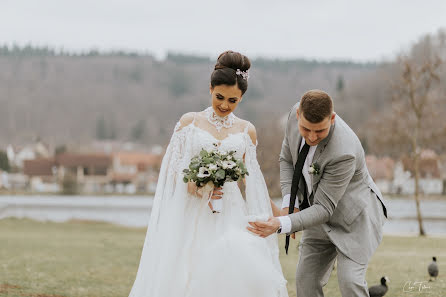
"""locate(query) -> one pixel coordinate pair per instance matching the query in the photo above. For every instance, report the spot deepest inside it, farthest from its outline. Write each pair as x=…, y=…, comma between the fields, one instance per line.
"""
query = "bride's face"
x=225, y=99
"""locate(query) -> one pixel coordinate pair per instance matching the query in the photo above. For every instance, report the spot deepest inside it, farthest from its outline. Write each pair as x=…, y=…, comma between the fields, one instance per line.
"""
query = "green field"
x=90, y=259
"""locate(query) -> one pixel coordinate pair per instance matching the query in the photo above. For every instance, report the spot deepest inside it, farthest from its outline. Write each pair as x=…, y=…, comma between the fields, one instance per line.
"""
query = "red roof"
x=429, y=167
x=141, y=160
x=72, y=160
x=39, y=167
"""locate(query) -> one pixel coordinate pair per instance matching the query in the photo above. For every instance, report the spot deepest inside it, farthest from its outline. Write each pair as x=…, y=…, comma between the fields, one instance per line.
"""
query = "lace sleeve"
x=176, y=147
x=166, y=214
x=257, y=197
x=172, y=164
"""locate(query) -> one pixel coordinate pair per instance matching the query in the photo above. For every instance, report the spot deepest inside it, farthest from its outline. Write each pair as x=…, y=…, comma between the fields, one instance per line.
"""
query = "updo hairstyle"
x=225, y=70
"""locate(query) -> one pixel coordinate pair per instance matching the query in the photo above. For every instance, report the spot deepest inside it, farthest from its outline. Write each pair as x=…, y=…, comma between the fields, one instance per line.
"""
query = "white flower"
x=222, y=153
x=314, y=169
x=212, y=166
x=203, y=172
x=228, y=164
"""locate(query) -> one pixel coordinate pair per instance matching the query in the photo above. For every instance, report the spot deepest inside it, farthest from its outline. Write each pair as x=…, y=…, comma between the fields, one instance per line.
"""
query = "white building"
x=17, y=155
x=430, y=179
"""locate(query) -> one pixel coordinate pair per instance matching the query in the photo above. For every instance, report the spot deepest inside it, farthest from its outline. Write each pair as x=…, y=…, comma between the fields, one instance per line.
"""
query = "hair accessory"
x=244, y=74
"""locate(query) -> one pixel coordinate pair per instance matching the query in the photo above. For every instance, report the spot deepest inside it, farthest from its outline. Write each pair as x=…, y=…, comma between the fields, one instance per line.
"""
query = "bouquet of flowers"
x=211, y=169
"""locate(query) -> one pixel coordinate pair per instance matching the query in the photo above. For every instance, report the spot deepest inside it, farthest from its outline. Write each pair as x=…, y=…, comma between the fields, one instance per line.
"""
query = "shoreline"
x=133, y=211
x=89, y=221
x=26, y=193
x=31, y=194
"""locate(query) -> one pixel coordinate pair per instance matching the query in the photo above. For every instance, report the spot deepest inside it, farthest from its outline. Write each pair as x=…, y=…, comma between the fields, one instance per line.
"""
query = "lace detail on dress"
x=217, y=121
x=176, y=145
x=251, y=150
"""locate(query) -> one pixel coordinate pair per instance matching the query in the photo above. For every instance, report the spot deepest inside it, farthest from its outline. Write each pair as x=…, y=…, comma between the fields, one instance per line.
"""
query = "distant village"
x=105, y=167
x=112, y=167
x=397, y=176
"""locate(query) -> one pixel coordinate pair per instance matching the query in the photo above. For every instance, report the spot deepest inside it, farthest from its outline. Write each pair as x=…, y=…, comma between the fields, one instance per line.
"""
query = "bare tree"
x=415, y=100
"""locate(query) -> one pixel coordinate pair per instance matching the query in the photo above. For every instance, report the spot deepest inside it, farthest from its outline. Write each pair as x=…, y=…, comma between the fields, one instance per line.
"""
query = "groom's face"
x=314, y=132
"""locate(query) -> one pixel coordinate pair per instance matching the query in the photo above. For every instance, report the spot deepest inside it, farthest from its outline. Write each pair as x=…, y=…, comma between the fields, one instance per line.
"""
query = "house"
x=121, y=172
x=17, y=155
x=135, y=172
x=430, y=181
x=42, y=175
x=14, y=181
x=91, y=172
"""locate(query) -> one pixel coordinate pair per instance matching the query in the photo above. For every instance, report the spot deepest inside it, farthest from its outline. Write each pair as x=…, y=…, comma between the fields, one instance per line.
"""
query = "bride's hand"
x=192, y=189
x=217, y=193
x=196, y=191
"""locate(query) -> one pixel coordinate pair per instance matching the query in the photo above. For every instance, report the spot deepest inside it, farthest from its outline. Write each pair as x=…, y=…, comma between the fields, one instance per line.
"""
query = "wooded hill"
x=65, y=98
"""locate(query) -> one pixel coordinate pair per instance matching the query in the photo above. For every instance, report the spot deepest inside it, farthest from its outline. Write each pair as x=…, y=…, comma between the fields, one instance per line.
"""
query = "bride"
x=191, y=250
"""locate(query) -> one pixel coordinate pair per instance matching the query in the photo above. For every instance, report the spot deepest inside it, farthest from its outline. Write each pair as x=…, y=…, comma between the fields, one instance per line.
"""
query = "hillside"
x=73, y=99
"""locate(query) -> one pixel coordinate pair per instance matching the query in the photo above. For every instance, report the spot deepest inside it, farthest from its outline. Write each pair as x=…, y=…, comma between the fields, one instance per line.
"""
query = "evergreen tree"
x=101, y=129
x=4, y=162
x=60, y=149
x=340, y=85
x=138, y=130
x=112, y=134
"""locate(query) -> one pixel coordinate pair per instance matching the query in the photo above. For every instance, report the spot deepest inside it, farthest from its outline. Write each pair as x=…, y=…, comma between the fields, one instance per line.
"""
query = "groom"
x=337, y=203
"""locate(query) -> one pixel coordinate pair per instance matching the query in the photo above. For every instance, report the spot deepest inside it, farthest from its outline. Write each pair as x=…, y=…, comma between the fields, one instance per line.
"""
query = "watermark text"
x=416, y=287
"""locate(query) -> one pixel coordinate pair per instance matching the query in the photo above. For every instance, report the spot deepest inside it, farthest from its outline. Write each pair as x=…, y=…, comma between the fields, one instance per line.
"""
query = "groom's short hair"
x=316, y=106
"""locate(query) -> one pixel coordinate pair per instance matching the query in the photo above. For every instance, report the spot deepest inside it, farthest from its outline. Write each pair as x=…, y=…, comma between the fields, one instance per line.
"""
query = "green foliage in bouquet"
x=215, y=166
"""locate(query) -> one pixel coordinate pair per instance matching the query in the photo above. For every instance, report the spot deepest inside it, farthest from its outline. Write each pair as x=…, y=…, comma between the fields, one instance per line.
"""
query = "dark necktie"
x=297, y=175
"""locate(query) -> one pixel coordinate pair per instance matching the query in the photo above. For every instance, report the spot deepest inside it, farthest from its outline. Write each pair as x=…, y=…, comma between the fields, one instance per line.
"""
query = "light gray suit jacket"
x=344, y=198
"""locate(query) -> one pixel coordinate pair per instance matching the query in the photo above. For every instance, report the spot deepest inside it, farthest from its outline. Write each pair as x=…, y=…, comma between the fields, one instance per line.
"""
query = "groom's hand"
x=284, y=212
x=264, y=229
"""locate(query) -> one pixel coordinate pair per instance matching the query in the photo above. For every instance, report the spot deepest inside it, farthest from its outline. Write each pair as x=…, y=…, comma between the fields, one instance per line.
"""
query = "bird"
x=433, y=269
x=379, y=290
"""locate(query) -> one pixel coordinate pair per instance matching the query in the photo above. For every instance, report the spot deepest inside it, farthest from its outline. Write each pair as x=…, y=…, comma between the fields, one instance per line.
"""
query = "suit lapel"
x=320, y=149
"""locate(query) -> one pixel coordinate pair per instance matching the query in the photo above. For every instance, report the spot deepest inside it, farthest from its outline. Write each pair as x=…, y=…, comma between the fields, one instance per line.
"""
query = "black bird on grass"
x=433, y=269
x=379, y=290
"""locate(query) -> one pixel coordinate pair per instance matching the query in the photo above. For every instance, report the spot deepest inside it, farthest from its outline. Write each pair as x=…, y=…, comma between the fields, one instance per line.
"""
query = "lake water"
x=134, y=211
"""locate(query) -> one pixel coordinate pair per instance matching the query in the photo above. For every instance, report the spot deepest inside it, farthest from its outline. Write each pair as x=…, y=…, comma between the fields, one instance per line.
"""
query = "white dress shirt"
x=285, y=221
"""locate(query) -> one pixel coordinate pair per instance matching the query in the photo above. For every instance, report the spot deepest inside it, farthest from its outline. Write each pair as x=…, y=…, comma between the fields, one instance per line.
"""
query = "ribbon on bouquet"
x=207, y=190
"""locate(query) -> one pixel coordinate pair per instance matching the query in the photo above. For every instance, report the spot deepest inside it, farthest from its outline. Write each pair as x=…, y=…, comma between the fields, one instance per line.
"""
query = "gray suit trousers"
x=317, y=256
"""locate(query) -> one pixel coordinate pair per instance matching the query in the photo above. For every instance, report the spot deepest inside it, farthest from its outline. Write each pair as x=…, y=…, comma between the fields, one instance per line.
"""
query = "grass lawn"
x=90, y=259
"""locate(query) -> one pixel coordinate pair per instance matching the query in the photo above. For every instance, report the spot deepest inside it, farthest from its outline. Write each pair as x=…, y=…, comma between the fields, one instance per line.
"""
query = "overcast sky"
x=323, y=29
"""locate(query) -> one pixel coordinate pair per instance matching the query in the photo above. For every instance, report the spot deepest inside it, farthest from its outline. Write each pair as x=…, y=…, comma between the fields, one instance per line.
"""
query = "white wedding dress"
x=190, y=251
